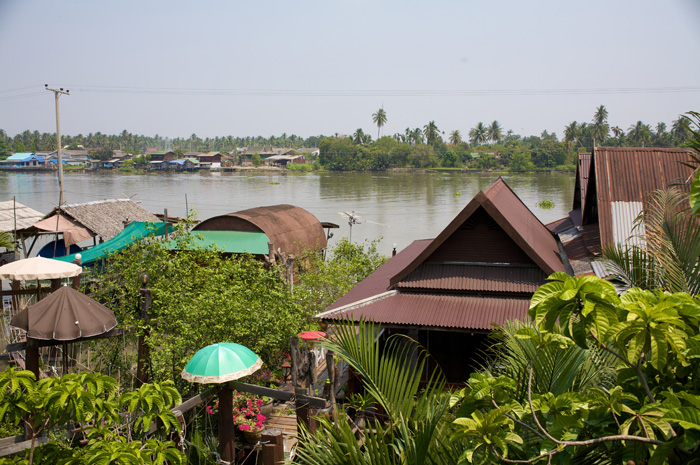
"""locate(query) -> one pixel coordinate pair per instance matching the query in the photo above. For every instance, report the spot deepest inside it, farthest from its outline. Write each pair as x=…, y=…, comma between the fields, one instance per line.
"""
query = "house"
x=449, y=292
x=214, y=158
x=264, y=152
x=611, y=189
x=185, y=164
x=283, y=160
x=23, y=160
x=162, y=156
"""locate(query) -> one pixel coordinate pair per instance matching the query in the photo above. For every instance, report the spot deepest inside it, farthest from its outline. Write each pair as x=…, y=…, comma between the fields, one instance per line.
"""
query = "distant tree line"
x=489, y=146
x=29, y=141
x=485, y=146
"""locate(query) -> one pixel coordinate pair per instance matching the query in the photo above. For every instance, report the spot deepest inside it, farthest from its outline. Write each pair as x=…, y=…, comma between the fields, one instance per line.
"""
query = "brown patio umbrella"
x=65, y=315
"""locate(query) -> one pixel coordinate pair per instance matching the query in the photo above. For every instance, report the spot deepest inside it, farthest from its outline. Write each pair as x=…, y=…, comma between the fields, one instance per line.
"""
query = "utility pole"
x=57, y=93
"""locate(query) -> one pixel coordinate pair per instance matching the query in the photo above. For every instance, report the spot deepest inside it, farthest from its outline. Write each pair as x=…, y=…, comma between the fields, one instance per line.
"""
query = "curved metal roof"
x=291, y=229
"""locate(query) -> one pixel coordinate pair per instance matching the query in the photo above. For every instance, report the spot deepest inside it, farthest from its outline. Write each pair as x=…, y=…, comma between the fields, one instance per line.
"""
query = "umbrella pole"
x=227, y=438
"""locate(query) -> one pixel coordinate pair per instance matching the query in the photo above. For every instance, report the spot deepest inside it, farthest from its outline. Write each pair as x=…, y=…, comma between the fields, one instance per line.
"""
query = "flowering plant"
x=246, y=412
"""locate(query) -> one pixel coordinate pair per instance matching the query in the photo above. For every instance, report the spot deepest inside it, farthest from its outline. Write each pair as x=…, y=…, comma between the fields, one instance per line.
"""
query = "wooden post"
x=15, y=298
x=55, y=284
x=273, y=447
x=302, y=379
x=165, y=220
x=143, y=352
x=227, y=435
x=330, y=369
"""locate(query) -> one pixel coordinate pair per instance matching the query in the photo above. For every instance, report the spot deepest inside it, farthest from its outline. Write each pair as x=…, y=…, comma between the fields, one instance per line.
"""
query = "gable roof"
x=511, y=214
x=620, y=180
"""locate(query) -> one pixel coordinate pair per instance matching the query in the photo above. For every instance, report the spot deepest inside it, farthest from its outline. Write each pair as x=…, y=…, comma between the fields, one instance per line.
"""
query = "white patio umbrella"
x=39, y=268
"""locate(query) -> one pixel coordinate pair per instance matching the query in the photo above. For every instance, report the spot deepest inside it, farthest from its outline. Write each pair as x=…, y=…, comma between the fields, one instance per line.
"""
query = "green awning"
x=229, y=241
x=136, y=230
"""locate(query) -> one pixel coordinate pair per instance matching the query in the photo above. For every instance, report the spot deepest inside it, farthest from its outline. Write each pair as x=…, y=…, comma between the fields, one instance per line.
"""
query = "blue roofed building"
x=23, y=160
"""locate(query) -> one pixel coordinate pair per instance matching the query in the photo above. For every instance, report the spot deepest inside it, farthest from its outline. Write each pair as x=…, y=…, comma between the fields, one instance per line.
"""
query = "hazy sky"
x=319, y=67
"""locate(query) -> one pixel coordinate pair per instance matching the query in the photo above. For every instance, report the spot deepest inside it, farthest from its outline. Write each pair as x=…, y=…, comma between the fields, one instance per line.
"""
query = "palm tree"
x=416, y=136
x=455, y=137
x=640, y=134
x=413, y=427
x=601, y=128
x=669, y=258
x=571, y=135
x=679, y=129
x=495, y=132
x=379, y=118
x=478, y=134
x=431, y=132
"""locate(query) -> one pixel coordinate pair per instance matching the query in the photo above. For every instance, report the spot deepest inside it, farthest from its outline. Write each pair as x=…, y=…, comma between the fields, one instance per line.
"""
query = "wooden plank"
x=21, y=346
x=6, y=442
x=278, y=394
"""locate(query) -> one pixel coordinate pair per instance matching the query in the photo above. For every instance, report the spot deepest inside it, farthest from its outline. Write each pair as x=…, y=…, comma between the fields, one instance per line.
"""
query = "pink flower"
x=261, y=417
x=245, y=427
x=210, y=410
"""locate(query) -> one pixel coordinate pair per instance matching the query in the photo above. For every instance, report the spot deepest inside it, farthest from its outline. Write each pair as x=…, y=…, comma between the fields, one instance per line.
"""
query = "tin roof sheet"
x=474, y=278
x=439, y=311
x=629, y=174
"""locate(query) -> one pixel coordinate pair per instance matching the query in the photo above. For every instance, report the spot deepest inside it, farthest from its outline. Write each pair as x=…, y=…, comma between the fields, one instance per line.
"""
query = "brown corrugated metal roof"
x=291, y=229
x=629, y=174
x=583, y=166
x=474, y=278
x=512, y=216
x=440, y=311
x=378, y=281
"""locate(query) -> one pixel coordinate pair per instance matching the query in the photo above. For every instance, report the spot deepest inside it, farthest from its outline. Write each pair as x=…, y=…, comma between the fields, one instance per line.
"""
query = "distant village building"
x=23, y=160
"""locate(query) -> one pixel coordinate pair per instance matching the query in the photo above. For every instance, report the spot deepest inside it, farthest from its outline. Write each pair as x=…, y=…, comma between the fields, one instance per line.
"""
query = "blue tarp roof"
x=20, y=156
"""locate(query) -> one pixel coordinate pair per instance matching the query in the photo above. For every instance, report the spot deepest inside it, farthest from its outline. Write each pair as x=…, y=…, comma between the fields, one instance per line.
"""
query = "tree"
x=571, y=135
x=199, y=298
x=91, y=401
x=495, y=132
x=432, y=133
x=639, y=134
x=455, y=137
x=601, y=128
x=4, y=149
x=379, y=118
x=647, y=411
x=361, y=138
x=478, y=134
x=103, y=154
x=521, y=160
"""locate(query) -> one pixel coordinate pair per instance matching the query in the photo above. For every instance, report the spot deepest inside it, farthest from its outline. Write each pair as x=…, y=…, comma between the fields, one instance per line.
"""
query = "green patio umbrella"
x=221, y=362
x=218, y=364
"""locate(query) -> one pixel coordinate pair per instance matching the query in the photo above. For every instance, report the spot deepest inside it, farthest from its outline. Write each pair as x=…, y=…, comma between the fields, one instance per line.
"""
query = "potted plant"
x=247, y=416
x=362, y=404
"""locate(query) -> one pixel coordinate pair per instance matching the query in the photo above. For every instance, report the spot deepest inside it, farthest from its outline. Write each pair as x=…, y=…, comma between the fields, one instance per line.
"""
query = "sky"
x=218, y=68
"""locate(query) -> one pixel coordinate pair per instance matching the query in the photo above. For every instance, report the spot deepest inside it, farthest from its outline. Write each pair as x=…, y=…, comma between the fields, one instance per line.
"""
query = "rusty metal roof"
x=378, y=281
x=513, y=217
x=291, y=229
x=438, y=311
x=625, y=176
x=474, y=278
x=583, y=166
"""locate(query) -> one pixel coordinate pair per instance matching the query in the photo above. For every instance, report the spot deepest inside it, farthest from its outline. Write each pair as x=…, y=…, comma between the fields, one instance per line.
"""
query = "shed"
x=14, y=215
x=290, y=229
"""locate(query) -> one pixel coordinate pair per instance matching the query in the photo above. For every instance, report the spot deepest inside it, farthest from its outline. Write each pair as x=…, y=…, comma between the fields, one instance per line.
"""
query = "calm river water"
x=409, y=205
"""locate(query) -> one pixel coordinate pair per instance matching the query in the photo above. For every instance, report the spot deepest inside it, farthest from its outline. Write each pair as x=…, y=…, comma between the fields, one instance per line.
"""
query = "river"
x=399, y=207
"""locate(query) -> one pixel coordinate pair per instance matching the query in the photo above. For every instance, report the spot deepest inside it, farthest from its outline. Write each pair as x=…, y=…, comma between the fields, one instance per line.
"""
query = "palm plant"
x=6, y=240
x=571, y=135
x=601, y=129
x=478, y=134
x=495, y=132
x=669, y=259
x=455, y=137
x=379, y=118
x=415, y=429
x=640, y=134
x=431, y=131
